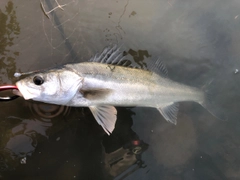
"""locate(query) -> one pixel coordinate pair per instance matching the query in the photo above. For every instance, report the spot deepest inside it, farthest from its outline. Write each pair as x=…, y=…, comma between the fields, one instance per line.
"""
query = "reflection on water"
x=123, y=149
x=47, y=111
x=9, y=30
x=60, y=130
x=197, y=39
x=21, y=139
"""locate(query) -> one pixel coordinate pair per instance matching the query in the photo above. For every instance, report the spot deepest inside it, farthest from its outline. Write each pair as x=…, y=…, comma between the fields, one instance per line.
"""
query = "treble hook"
x=5, y=88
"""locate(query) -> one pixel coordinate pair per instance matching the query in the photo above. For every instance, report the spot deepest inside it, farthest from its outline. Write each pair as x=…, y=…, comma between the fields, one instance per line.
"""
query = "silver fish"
x=104, y=82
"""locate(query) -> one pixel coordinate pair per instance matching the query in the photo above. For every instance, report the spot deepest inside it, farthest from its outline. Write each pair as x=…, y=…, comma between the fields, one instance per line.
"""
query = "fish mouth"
x=17, y=92
x=23, y=91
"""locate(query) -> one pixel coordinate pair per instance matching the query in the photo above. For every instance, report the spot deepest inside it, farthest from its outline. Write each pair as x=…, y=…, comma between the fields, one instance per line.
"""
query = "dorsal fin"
x=158, y=67
x=111, y=55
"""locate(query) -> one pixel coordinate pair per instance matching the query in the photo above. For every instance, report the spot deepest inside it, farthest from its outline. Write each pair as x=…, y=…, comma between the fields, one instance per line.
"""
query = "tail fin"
x=210, y=105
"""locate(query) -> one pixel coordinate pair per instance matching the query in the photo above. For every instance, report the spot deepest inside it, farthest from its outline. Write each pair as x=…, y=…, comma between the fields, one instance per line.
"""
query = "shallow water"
x=198, y=40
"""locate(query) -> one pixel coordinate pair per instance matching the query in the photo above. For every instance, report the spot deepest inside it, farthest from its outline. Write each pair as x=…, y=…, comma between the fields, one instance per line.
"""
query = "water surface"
x=198, y=40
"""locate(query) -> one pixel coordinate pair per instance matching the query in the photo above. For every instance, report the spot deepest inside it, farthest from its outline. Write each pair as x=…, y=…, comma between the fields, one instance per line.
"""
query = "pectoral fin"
x=169, y=112
x=106, y=116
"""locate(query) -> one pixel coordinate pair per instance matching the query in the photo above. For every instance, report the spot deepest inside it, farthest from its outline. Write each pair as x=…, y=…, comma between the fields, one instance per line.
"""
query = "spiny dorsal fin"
x=111, y=55
x=158, y=67
x=125, y=63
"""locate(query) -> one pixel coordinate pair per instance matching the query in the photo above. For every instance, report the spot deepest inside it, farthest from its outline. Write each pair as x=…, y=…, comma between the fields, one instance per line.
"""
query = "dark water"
x=198, y=40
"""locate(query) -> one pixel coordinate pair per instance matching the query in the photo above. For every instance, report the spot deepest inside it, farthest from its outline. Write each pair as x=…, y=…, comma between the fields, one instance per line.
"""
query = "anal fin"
x=169, y=112
x=106, y=116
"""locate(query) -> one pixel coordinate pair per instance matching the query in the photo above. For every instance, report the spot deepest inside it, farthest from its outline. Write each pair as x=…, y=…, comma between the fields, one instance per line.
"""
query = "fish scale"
x=104, y=82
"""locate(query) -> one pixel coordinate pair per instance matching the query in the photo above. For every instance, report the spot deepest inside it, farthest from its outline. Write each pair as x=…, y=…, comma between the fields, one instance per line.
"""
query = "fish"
x=106, y=81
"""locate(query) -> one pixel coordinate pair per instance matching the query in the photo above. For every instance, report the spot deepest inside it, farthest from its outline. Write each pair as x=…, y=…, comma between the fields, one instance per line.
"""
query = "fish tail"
x=210, y=105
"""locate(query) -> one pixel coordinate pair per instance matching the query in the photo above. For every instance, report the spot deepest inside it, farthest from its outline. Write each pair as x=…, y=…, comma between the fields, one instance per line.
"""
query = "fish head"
x=54, y=86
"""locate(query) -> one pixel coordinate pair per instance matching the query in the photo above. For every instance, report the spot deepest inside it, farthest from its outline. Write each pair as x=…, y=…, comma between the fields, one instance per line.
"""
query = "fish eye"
x=38, y=80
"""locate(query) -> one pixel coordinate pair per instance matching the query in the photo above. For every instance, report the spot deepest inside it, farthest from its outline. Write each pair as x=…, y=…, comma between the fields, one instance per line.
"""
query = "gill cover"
x=54, y=86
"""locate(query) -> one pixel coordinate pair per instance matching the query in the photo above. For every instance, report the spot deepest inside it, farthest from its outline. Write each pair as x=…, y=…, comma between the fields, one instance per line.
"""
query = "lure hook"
x=5, y=88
